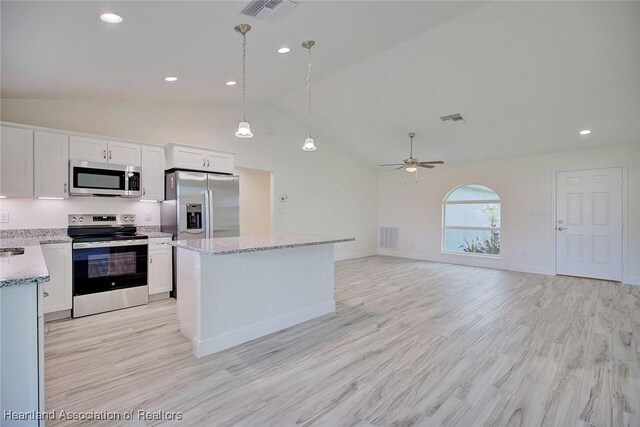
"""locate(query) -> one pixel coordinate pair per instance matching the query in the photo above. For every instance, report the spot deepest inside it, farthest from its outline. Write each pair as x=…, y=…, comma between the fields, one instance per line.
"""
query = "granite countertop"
x=33, y=240
x=23, y=269
x=154, y=234
x=237, y=245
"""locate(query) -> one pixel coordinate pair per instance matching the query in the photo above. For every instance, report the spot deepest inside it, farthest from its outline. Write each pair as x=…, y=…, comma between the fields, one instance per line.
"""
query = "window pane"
x=472, y=241
x=473, y=192
x=473, y=215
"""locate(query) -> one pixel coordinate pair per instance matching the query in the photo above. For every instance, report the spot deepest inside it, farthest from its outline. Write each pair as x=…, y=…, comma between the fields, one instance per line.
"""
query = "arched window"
x=472, y=221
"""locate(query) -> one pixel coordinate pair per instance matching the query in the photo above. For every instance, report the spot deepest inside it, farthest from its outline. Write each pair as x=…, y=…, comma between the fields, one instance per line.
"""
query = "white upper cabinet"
x=51, y=164
x=16, y=162
x=181, y=157
x=185, y=158
x=153, y=166
x=89, y=149
x=219, y=162
x=124, y=153
x=101, y=150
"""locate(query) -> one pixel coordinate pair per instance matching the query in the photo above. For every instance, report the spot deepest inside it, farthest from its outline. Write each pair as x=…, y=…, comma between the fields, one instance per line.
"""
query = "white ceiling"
x=527, y=76
x=56, y=49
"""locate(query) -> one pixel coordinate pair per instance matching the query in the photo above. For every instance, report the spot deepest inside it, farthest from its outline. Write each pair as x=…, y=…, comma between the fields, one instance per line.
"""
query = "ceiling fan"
x=411, y=164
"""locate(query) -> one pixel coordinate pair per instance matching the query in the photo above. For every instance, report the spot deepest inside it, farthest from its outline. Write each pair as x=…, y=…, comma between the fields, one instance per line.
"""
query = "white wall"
x=526, y=188
x=330, y=192
x=255, y=200
x=35, y=213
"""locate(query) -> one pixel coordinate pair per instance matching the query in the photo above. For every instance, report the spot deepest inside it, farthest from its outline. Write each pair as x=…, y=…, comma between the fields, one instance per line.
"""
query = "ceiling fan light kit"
x=411, y=164
x=244, y=128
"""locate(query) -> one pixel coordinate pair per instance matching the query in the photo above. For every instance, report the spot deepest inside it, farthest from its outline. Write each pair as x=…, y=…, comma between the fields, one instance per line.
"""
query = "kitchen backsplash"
x=49, y=214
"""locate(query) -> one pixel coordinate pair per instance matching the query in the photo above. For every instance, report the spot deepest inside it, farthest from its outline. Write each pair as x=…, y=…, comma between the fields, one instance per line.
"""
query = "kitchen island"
x=233, y=290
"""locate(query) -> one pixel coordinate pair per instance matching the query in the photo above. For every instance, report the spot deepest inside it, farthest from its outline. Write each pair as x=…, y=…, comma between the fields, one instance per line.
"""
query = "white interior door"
x=589, y=223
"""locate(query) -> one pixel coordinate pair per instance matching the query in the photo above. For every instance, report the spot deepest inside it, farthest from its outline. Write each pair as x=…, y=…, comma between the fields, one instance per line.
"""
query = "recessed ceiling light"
x=231, y=83
x=111, y=18
x=585, y=132
x=284, y=50
x=170, y=79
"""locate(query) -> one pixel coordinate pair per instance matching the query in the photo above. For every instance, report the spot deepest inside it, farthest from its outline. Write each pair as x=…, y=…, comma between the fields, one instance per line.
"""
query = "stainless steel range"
x=109, y=263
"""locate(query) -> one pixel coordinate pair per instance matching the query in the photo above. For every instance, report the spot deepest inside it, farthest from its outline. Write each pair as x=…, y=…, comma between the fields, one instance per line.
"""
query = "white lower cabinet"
x=160, y=269
x=58, y=291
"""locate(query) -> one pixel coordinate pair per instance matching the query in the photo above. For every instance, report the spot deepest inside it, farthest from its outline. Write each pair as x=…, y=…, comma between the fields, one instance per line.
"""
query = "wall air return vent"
x=389, y=237
x=269, y=10
x=457, y=117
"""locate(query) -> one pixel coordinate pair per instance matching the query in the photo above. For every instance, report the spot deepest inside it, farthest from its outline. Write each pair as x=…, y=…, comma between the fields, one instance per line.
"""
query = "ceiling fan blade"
x=434, y=162
x=393, y=164
x=425, y=166
x=401, y=167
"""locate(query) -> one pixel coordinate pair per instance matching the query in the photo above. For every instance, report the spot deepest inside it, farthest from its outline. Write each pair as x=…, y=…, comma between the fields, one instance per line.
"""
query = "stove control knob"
x=73, y=219
x=81, y=219
x=126, y=218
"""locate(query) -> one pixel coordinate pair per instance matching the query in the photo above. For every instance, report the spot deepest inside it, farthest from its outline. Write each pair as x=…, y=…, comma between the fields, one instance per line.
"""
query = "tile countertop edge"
x=184, y=244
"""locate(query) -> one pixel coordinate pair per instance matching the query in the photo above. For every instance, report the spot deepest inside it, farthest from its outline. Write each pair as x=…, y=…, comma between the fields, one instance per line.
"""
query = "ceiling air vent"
x=457, y=117
x=269, y=10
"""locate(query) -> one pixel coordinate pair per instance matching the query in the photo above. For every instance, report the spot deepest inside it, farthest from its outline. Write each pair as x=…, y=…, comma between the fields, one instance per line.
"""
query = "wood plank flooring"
x=411, y=343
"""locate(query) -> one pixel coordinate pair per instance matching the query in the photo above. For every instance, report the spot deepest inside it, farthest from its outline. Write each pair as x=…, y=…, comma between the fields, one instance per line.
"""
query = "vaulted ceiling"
x=526, y=76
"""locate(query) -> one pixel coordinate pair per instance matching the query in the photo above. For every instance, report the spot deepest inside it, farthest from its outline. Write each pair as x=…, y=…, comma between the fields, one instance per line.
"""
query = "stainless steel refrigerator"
x=200, y=205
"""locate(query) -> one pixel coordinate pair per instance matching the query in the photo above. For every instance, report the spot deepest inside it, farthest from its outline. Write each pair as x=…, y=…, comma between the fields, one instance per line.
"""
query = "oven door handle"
x=110, y=244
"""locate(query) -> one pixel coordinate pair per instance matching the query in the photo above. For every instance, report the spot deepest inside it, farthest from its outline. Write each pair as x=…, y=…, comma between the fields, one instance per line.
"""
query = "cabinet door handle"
x=46, y=294
x=65, y=188
x=143, y=191
x=207, y=163
x=104, y=154
x=109, y=154
x=150, y=260
x=204, y=162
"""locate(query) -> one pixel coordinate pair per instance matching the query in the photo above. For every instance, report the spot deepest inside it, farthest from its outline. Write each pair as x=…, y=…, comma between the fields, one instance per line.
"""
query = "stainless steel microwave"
x=103, y=179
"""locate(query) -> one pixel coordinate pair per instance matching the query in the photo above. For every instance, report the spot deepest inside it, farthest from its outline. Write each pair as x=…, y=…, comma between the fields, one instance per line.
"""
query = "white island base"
x=231, y=298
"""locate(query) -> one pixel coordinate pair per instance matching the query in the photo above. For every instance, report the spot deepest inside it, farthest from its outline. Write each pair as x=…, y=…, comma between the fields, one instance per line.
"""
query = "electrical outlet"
x=4, y=216
x=147, y=216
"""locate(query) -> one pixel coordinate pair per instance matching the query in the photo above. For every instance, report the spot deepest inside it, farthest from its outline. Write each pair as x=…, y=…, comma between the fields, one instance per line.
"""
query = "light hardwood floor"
x=411, y=343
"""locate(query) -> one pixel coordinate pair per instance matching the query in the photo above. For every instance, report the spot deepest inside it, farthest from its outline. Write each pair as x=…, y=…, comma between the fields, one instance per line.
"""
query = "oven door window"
x=98, y=178
x=105, y=269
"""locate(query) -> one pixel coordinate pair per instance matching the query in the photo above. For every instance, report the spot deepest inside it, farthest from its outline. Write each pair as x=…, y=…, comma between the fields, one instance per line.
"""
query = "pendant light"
x=244, y=129
x=309, y=142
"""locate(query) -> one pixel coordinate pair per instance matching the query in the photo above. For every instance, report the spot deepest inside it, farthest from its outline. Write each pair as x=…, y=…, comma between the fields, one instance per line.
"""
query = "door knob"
x=560, y=229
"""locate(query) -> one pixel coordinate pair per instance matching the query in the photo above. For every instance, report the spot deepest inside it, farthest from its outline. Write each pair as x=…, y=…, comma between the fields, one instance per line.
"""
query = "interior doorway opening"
x=256, y=201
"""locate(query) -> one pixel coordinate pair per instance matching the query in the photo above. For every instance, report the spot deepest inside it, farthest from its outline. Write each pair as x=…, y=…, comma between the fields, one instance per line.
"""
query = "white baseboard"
x=471, y=262
x=632, y=280
x=354, y=255
x=231, y=339
x=157, y=297
x=57, y=315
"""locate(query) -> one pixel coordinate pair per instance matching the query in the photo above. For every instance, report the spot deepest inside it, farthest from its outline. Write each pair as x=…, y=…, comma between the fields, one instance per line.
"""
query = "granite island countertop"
x=243, y=244
x=23, y=269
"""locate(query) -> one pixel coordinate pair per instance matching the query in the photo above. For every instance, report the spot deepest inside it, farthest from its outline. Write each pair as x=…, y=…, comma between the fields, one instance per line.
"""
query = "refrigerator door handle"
x=210, y=213
x=206, y=208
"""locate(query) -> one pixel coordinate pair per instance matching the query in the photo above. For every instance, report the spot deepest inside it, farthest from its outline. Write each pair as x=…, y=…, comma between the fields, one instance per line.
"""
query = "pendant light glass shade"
x=411, y=168
x=244, y=130
x=309, y=144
